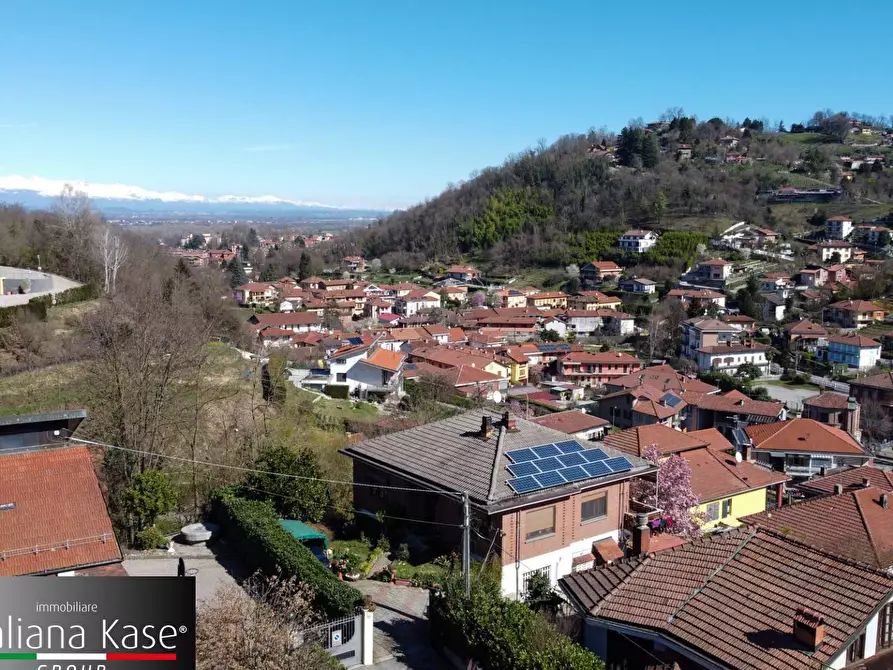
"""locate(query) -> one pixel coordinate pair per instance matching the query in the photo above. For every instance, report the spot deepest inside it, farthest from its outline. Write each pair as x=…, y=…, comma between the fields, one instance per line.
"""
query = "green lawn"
x=334, y=409
x=49, y=389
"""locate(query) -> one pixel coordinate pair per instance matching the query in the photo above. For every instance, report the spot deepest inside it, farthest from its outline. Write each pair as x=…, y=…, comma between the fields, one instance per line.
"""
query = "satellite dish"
x=738, y=457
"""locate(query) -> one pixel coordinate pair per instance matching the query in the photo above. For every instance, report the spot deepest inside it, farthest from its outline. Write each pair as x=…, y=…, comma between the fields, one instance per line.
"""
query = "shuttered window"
x=885, y=627
x=539, y=523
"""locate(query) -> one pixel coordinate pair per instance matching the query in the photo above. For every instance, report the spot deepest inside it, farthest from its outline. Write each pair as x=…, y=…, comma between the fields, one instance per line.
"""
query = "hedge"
x=35, y=307
x=252, y=527
x=339, y=391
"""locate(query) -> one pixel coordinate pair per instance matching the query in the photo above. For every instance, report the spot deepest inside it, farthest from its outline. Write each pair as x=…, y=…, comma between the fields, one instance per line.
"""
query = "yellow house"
x=729, y=490
x=517, y=363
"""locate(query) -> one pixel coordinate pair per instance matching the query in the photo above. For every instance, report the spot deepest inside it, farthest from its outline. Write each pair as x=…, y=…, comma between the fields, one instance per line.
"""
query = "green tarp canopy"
x=302, y=532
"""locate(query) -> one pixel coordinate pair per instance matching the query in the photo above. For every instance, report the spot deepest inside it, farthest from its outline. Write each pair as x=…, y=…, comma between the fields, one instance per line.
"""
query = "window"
x=525, y=578
x=341, y=377
x=539, y=523
x=594, y=507
x=340, y=361
x=713, y=511
x=856, y=651
x=726, y=508
x=885, y=627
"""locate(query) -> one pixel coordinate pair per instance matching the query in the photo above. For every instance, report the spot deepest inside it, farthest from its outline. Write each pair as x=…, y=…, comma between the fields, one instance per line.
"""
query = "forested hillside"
x=543, y=205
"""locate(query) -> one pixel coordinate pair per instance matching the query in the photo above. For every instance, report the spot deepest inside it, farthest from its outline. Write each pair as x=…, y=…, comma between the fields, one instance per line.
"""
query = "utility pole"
x=466, y=542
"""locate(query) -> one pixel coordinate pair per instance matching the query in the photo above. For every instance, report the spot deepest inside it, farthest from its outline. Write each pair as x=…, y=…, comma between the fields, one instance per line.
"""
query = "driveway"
x=400, y=639
x=792, y=397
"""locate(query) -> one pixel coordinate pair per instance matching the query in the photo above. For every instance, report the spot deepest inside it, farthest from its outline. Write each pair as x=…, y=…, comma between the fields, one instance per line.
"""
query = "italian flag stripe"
x=77, y=656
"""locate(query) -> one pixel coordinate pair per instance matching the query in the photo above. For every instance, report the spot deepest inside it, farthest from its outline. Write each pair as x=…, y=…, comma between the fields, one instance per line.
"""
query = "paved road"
x=401, y=628
x=792, y=396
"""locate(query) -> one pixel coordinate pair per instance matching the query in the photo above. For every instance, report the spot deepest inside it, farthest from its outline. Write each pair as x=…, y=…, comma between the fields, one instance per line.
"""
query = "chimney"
x=866, y=482
x=486, y=427
x=823, y=471
x=838, y=489
x=641, y=535
x=851, y=418
x=508, y=421
x=884, y=502
x=808, y=628
x=748, y=452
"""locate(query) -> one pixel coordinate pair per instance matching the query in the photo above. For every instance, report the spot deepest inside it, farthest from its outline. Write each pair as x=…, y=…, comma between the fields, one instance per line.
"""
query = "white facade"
x=339, y=367
x=729, y=361
x=559, y=563
x=838, y=228
x=415, y=305
x=828, y=252
x=363, y=379
x=638, y=242
x=286, y=306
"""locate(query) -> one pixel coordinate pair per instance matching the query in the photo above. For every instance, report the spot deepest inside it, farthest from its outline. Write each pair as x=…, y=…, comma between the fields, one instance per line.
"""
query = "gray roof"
x=449, y=454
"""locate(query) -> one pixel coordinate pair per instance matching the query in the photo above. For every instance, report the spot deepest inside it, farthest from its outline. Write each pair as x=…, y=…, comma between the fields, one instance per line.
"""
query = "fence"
x=348, y=639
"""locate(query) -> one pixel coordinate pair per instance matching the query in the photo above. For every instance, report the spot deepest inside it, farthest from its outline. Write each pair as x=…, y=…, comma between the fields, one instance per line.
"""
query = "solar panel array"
x=671, y=399
x=549, y=465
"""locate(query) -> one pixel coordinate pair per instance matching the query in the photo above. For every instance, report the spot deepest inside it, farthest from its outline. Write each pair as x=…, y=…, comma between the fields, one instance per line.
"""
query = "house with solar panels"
x=545, y=503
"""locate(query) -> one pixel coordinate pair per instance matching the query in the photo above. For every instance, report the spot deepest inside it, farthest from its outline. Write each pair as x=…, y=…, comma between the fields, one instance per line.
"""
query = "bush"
x=78, y=294
x=402, y=553
x=253, y=528
x=151, y=538
x=168, y=527
x=340, y=391
x=35, y=307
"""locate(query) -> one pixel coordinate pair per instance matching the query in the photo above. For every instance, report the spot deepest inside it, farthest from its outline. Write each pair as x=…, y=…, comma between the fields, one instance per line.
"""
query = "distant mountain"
x=121, y=200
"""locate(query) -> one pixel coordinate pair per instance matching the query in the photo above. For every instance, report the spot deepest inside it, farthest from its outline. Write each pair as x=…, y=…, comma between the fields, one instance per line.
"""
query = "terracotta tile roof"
x=669, y=440
x=648, y=400
x=827, y=400
x=715, y=474
x=777, y=275
x=834, y=244
x=715, y=261
x=57, y=500
x=734, y=348
x=733, y=403
x=420, y=295
x=461, y=269
x=805, y=327
x=853, y=524
x=548, y=295
x=737, y=318
x=255, y=286
x=606, y=357
x=714, y=439
x=706, y=323
x=436, y=329
x=704, y=294
x=884, y=380
x=405, y=334
x=854, y=339
x=608, y=550
x=662, y=377
x=803, y=435
x=386, y=359
x=605, y=265
x=350, y=349
x=570, y=422
x=856, y=306
x=752, y=577
x=306, y=338
x=851, y=477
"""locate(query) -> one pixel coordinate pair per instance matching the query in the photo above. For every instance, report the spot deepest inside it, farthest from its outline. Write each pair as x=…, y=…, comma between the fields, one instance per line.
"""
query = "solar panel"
x=549, y=464
x=569, y=446
x=523, y=484
x=670, y=399
x=573, y=474
x=546, y=450
x=619, y=464
x=597, y=469
x=593, y=455
x=571, y=459
x=523, y=469
x=355, y=340
x=521, y=455
x=547, y=479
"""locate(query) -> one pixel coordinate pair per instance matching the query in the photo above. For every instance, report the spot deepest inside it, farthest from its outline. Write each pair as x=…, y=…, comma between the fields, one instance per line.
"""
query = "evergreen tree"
x=304, y=266
x=236, y=273
x=253, y=239
x=303, y=499
x=650, y=152
x=629, y=145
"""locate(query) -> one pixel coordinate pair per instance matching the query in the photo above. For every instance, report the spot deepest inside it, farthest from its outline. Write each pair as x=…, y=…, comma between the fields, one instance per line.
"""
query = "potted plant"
x=347, y=565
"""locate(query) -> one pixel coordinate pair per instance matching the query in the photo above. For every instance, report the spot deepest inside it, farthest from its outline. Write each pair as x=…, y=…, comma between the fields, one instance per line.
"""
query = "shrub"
x=168, y=526
x=151, y=538
x=384, y=544
x=78, y=294
x=36, y=307
x=402, y=553
x=339, y=391
x=253, y=528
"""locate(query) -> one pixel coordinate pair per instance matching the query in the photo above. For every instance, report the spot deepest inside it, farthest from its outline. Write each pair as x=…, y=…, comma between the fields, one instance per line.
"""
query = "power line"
x=238, y=468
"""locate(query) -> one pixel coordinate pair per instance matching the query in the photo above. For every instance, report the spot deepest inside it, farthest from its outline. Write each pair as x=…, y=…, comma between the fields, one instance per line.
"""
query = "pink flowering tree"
x=671, y=493
x=478, y=299
x=519, y=410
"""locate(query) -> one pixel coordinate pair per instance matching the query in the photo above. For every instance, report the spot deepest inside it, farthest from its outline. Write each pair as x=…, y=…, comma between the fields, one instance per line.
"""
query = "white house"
x=854, y=351
x=637, y=285
x=827, y=250
x=296, y=322
x=717, y=269
x=380, y=373
x=286, y=306
x=687, y=295
x=730, y=356
x=585, y=322
x=255, y=294
x=416, y=301
x=838, y=228
x=773, y=306
x=638, y=241
x=576, y=423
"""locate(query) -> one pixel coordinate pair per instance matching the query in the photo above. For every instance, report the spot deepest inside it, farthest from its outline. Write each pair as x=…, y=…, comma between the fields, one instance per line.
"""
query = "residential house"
x=730, y=356
x=874, y=388
x=715, y=269
x=511, y=298
x=273, y=336
x=655, y=609
x=576, y=423
x=296, y=322
x=802, y=447
x=342, y=360
x=728, y=490
x=596, y=272
x=53, y=518
x=704, y=331
x=517, y=362
x=637, y=241
x=548, y=300
x=838, y=228
x=804, y=335
x=855, y=313
x=774, y=306
x=640, y=406
x=854, y=351
x=255, y=294
x=772, y=281
x=453, y=357
x=662, y=377
x=813, y=277
x=594, y=300
x=835, y=250
x=587, y=322
x=472, y=382
x=834, y=409
x=728, y=142
x=730, y=412
x=838, y=273
x=856, y=524
x=849, y=478
x=637, y=285
x=464, y=273
x=335, y=284
x=536, y=527
x=595, y=369
x=873, y=235
x=416, y=301
x=310, y=283
x=683, y=152
x=742, y=322
x=668, y=440
x=379, y=374
x=353, y=263
x=764, y=237
x=704, y=296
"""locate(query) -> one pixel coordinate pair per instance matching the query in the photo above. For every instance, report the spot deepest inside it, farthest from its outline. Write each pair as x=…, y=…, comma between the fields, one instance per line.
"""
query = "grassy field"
x=804, y=138
x=57, y=387
x=795, y=214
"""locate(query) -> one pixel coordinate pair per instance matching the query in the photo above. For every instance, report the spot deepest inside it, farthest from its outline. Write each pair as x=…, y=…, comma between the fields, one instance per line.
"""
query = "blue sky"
x=384, y=103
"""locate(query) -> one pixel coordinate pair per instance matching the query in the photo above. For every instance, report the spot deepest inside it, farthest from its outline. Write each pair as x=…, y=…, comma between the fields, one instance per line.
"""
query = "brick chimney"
x=641, y=535
x=838, y=489
x=808, y=627
x=486, y=427
x=851, y=418
x=508, y=421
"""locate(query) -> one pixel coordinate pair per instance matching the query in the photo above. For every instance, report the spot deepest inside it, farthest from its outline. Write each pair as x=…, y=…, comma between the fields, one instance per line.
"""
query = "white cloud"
x=259, y=148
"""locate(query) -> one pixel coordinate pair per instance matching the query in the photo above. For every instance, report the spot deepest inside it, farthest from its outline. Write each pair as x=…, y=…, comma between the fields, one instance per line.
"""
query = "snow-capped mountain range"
x=122, y=199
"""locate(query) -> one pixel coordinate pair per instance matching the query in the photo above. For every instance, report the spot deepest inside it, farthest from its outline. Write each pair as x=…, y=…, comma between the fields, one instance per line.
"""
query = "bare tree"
x=875, y=421
x=112, y=255
x=77, y=219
